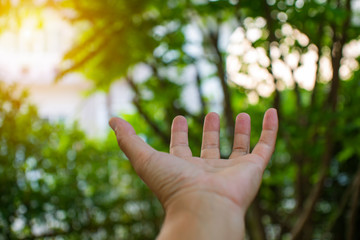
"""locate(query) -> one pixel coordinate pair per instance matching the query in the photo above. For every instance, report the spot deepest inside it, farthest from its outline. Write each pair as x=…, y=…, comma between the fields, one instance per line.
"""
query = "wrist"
x=203, y=215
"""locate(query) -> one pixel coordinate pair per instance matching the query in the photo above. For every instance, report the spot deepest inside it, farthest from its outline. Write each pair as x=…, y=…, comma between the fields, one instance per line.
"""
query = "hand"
x=179, y=179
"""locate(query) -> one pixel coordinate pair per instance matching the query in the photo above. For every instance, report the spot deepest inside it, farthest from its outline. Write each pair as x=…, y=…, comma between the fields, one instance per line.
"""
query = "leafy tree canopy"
x=311, y=188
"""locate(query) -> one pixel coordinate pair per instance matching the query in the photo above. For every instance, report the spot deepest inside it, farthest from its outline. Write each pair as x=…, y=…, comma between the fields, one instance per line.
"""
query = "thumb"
x=138, y=152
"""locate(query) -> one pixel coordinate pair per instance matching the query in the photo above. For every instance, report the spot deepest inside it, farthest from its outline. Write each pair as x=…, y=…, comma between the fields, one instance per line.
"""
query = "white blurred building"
x=29, y=57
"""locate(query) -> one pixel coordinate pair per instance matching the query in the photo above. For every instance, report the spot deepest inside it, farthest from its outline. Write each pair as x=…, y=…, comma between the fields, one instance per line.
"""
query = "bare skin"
x=204, y=197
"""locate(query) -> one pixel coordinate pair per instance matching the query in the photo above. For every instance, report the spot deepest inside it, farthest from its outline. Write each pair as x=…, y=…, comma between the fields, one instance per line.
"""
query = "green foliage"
x=55, y=182
x=311, y=187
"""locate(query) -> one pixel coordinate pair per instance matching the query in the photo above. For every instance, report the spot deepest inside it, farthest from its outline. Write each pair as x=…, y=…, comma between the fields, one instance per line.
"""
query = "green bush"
x=56, y=182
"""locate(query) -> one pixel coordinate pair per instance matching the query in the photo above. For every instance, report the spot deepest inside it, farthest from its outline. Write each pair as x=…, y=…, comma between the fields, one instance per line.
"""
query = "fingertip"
x=243, y=122
x=212, y=122
x=272, y=111
x=271, y=119
x=243, y=118
x=112, y=123
x=243, y=115
x=121, y=126
x=179, y=124
x=180, y=119
x=213, y=115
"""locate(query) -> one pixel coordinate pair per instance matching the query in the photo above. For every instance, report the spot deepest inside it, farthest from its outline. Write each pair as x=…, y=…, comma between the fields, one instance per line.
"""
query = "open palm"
x=180, y=175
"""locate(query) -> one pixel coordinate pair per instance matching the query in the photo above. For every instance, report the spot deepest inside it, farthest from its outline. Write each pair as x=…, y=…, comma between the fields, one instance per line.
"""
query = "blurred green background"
x=299, y=56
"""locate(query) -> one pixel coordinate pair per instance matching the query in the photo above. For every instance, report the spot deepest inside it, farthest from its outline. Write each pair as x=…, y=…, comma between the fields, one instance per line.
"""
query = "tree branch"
x=298, y=97
x=284, y=225
x=337, y=47
x=163, y=135
x=272, y=38
x=253, y=220
x=200, y=93
x=75, y=49
x=315, y=192
x=178, y=110
x=329, y=146
x=228, y=111
x=340, y=209
x=351, y=223
x=104, y=43
x=317, y=73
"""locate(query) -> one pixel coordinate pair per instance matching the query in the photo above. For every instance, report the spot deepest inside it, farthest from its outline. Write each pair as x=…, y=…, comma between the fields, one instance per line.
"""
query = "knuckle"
x=210, y=145
x=241, y=149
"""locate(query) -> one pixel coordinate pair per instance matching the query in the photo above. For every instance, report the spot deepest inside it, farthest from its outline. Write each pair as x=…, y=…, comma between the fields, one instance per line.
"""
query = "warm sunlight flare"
x=31, y=56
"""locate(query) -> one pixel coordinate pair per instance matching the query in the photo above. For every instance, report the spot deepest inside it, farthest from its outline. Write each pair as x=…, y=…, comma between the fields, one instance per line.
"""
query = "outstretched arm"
x=204, y=197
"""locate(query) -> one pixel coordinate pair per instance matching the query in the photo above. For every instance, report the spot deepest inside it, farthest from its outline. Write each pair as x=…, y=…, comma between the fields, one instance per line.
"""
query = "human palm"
x=178, y=174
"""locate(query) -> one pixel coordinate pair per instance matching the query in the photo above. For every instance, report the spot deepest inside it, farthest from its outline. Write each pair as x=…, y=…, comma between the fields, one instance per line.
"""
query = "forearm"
x=208, y=216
